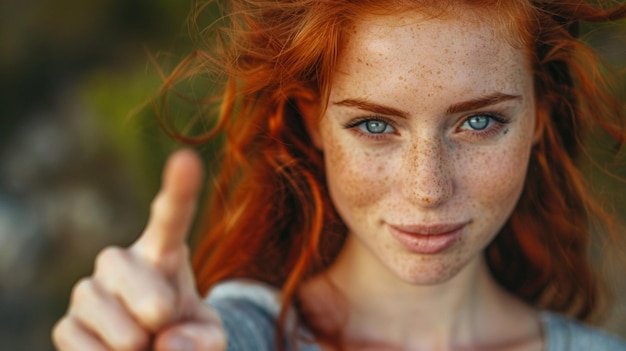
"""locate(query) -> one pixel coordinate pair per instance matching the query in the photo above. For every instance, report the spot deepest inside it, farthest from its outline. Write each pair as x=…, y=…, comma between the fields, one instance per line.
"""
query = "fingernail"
x=180, y=343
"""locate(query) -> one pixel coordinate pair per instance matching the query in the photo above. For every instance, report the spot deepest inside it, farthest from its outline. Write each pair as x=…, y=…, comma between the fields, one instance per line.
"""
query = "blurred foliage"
x=81, y=150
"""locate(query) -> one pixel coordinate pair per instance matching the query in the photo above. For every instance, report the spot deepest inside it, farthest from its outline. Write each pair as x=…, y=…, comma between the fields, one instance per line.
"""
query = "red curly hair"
x=270, y=217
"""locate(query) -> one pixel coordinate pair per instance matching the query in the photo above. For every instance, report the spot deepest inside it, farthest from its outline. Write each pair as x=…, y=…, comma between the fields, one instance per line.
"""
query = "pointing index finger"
x=174, y=206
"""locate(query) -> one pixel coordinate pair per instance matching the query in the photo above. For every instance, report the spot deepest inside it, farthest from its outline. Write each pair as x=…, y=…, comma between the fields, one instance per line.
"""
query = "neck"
x=379, y=309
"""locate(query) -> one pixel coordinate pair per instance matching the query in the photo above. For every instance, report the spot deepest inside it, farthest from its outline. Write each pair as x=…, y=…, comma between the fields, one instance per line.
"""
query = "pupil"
x=478, y=122
x=376, y=126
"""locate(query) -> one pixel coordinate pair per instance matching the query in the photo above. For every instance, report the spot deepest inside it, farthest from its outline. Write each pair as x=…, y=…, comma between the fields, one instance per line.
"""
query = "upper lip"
x=429, y=229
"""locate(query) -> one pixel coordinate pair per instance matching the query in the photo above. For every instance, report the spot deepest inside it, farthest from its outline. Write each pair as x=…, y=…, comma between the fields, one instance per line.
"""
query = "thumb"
x=203, y=333
x=173, y=208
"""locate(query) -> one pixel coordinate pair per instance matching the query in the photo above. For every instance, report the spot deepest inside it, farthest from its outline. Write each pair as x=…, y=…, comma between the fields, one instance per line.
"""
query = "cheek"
x=356, y=178
x=494, y=179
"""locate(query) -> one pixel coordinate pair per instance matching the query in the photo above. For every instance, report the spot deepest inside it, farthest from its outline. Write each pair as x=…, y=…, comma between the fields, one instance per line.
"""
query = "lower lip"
x=427, y=244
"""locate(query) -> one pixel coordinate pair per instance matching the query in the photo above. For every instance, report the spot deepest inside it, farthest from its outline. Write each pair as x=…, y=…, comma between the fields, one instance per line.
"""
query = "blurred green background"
x=80, y=155
x=79, y=158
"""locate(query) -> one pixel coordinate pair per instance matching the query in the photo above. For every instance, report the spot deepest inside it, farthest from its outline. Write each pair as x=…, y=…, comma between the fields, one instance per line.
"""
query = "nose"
x=429, y=173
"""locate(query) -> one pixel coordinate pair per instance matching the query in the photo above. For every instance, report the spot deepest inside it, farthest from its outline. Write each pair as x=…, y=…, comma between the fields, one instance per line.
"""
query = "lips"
x=428, y=239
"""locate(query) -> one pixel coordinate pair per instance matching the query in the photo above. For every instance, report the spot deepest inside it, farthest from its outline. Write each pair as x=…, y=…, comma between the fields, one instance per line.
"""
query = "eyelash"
x=489, y=131
x=498, y=124
x=360, y=121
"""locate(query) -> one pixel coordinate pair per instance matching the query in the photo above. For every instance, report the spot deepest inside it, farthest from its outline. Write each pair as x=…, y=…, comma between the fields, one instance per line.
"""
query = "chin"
x=424, y=273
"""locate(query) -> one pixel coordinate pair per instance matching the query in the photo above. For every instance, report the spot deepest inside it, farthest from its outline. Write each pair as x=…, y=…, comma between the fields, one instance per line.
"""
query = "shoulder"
x=565, y=334
x=247, y=293
x=249, y=312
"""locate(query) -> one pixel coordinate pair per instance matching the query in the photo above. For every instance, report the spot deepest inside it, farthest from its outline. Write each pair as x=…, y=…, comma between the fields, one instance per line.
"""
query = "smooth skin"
x=143, y=297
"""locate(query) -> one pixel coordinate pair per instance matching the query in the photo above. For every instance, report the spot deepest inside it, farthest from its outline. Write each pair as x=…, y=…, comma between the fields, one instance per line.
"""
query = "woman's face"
x=426, y=141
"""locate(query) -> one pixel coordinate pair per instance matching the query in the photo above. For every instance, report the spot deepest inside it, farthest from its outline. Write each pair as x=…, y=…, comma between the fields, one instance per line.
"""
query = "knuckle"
x=83, y=291
x=156, y=311
x=109, y=257
x=60, y=333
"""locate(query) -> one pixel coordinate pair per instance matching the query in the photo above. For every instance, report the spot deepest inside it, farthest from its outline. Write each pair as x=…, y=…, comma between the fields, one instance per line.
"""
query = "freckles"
x=428, y=172
x=355, y=177
x=363, y=63
x=495, y=177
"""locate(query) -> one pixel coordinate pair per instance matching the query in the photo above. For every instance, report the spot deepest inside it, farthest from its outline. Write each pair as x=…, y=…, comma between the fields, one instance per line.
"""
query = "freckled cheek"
x=494, y=180
x=356, y=177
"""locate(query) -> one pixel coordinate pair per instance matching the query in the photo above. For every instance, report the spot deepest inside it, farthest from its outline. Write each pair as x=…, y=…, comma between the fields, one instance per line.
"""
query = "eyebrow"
x=473, y=104
x=372, y=107
x=481, y=102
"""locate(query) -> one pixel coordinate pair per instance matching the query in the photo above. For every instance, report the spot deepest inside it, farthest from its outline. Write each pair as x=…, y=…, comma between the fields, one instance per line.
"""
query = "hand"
x=144, y=296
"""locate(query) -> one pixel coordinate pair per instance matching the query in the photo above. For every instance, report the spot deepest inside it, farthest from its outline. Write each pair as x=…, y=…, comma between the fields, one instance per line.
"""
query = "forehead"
x=459, y=53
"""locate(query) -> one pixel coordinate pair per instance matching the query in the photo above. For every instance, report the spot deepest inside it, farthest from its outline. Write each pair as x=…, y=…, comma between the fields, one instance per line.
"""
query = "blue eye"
x=478, y=122
x=375, y=126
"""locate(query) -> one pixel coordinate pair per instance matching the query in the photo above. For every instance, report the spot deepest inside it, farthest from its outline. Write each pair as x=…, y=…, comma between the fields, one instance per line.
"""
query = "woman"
x=396, y=175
